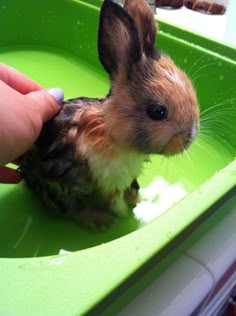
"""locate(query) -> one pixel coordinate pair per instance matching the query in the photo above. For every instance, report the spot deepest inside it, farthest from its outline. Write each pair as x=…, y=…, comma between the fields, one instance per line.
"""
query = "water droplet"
x=57, y=261
x=221, y=77
x=169, y=235
x=185, y=60
x=78, y=22
x=219, y=63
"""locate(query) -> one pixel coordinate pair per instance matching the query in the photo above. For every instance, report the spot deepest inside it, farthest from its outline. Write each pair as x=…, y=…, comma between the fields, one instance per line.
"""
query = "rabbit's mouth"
x=178, y=144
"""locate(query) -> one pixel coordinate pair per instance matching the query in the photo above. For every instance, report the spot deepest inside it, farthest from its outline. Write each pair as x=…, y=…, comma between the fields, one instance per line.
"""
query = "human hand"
x=24, y=107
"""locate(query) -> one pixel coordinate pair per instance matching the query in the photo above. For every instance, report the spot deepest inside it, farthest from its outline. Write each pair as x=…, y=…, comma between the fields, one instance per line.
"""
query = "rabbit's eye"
x=157, y=112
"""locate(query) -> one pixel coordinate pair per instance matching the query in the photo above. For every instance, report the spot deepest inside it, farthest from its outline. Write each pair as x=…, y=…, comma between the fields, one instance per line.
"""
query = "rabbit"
x=87, y=159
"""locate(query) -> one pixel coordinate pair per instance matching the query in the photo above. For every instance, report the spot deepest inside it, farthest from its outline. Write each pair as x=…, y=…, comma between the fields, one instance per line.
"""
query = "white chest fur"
x=113, y=169
x=115, y=173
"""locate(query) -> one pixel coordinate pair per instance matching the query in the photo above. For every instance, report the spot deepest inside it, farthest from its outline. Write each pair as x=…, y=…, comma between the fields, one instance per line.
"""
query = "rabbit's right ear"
x=118, y=39
x=143, y=16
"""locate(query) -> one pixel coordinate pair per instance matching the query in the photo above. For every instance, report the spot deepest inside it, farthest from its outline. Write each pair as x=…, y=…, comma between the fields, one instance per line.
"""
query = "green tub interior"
x=55, y=44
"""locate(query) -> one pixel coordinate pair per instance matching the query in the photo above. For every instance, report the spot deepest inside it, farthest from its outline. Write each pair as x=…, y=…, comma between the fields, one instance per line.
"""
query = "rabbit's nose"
x=194, y=131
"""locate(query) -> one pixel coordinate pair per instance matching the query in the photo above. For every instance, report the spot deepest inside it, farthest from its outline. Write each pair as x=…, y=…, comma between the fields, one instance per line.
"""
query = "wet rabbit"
x=87, y=159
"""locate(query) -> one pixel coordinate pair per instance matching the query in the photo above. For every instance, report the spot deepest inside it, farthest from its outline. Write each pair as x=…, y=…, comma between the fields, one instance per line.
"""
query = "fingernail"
x=57, y=93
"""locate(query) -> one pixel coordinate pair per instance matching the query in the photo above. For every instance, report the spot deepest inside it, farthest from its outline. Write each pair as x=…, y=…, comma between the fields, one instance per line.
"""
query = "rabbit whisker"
x=201, y=68
x=195, y=64
x=219, y=104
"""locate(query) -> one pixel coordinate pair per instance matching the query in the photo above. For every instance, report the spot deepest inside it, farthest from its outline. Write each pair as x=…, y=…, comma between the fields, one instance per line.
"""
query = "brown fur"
x=145, y=23
x=91, y=129
x=131, y=196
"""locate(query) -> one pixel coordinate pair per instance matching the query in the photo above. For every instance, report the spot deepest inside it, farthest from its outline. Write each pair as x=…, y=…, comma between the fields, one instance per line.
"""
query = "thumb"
x=47, y=102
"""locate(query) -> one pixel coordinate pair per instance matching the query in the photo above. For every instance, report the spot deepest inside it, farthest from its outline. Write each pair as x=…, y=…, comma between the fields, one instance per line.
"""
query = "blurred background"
x=213, y=19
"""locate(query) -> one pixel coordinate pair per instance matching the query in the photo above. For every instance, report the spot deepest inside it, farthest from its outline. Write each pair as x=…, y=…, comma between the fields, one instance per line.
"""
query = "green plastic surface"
x=55, y=44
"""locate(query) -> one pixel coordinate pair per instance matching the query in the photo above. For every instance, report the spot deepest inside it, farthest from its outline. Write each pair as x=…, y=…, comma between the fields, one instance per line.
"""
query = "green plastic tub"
x=54, y=42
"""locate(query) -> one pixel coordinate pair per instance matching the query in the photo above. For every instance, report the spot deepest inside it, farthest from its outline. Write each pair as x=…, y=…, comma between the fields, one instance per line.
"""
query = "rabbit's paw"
x=131, y=195
x=119, y=206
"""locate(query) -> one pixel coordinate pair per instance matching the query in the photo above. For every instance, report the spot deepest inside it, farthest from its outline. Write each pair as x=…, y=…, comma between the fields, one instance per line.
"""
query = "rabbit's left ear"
x=145, y=22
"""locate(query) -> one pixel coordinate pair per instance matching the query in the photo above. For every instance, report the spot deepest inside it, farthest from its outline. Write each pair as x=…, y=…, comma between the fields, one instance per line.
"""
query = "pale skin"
x=24, y=107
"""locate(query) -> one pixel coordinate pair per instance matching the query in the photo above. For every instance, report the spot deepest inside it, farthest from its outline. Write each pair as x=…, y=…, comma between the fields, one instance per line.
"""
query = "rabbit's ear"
x=118, y=39
x=145, y=22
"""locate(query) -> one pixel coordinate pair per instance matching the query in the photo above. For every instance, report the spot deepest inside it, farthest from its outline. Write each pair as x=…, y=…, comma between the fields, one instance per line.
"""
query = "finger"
x=17, y=80
x=8, y=175
x=46, y=103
